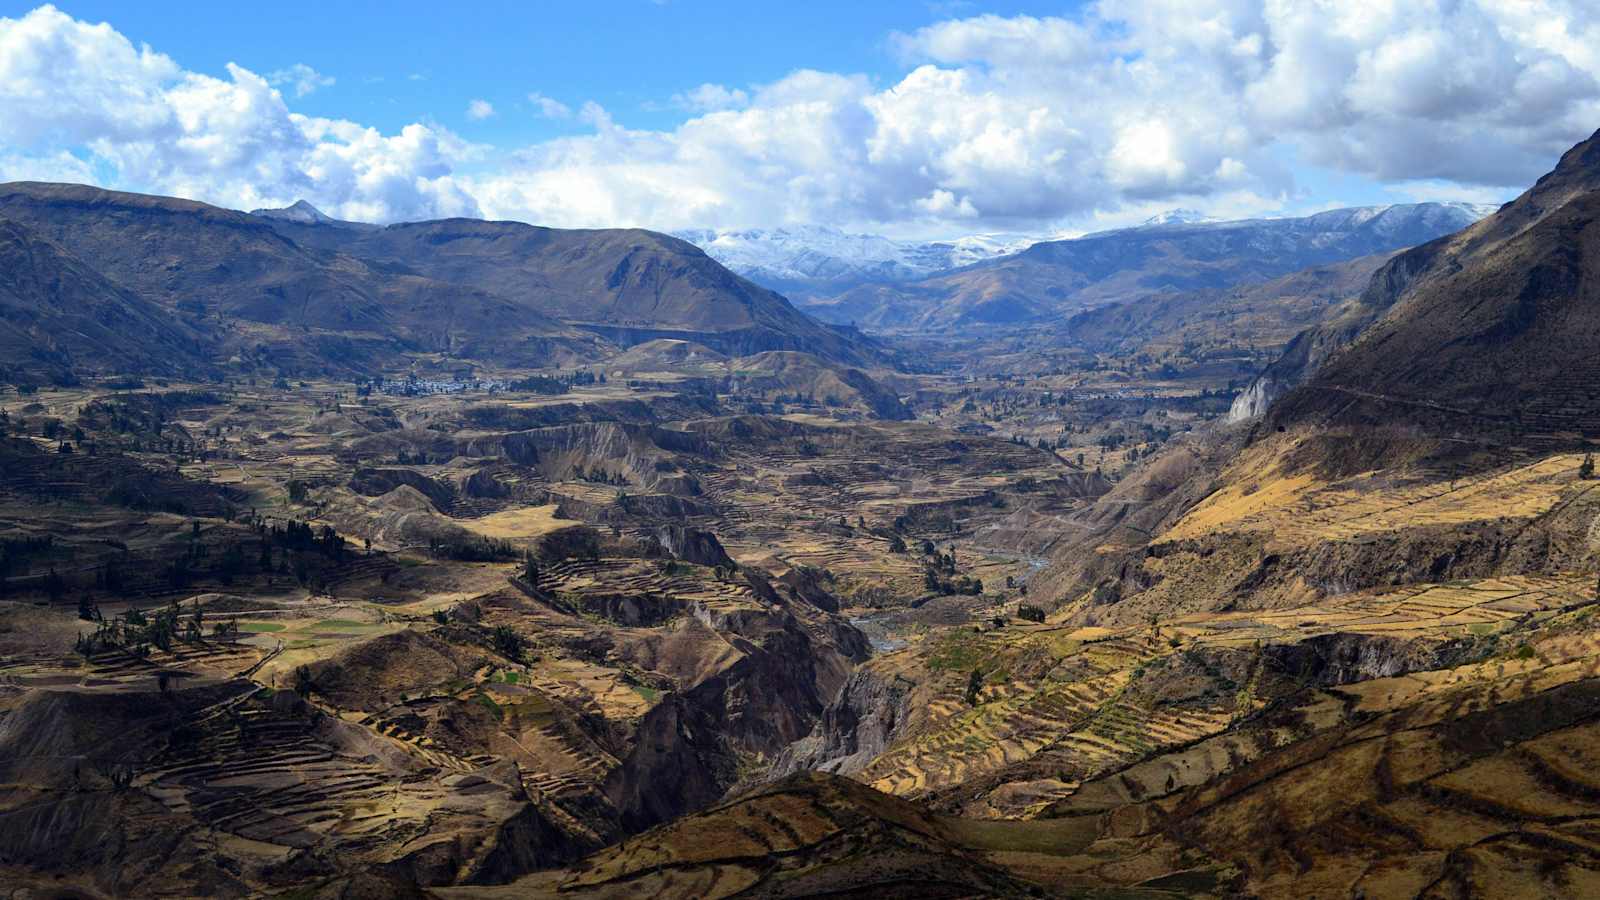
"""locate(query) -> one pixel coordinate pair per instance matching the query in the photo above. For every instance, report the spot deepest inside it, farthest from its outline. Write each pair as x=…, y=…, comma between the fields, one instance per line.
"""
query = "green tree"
x=508, y=643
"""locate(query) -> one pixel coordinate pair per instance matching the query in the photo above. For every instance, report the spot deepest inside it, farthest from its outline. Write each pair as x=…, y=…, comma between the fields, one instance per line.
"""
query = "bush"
x=304, y=683
x=1030, y=613
x=508, y=643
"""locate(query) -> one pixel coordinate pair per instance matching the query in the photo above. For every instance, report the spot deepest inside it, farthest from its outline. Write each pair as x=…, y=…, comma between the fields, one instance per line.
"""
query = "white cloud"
x=301, y=77
x=711, y=98
x=59, y=166
x=1133, y=105
x=137, y=115
x=478, y=110
x=999, y=123
x=550, y=109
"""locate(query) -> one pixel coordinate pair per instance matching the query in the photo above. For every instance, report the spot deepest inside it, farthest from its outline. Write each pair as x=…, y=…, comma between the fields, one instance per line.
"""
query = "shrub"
x=508, y=643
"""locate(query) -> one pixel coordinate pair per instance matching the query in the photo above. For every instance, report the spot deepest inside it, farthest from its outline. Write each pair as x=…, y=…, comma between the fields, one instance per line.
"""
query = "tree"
x=1030, y=613
x=974, y=687
x=194, y=628
x=508, y=643
x=1586, y=469
x=304, y=684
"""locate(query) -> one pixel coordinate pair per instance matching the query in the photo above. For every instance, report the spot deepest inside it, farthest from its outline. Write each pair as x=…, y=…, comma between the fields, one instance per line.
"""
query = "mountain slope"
x=811, y=835
x=1259, y=315
x=1062, y=277
x=310, y=309
x=778, y=374
x=628, y=285
x=1490, y=332
x=60, y=319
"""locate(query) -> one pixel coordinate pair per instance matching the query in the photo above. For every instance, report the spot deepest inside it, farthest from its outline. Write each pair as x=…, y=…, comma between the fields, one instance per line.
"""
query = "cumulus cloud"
x=996, y=123
x=142, y=122
x=549, y=108
x=1025, y=121
x=710, y=98
x=301, y=77
x=478, y=110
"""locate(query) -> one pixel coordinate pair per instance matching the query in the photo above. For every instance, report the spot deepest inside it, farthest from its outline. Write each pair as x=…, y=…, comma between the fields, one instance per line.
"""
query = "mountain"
x=1489, y=333
x=297, y=291
x=1058, y=278
x=1179, y=217
x=295, y=308
x=626, y=285
x=781, y=374
x=812, y=261
x=1268, y=314
x=303, y=213
x=60, y=319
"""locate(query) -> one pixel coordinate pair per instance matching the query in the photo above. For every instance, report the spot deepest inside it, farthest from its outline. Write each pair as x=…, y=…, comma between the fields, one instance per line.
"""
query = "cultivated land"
x=705, y=612
x=523, y=606
x=407, y=629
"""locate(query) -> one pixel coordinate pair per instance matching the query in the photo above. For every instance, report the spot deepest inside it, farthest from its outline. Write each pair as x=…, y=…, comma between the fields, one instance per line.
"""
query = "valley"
x=473, y=559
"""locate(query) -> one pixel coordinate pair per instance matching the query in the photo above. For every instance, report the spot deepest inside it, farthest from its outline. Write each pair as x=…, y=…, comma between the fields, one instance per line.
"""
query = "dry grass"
x=512, y=524
x=1299, y=511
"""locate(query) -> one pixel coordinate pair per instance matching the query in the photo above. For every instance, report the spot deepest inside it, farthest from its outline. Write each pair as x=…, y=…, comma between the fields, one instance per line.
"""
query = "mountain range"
x=1053, y=279
x=296, y=291
x=809, y=262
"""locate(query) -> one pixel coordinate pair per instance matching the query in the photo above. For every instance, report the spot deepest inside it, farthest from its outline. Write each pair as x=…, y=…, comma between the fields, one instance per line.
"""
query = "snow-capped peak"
x=1178, y=217
x=816, y=254
x=300, y=211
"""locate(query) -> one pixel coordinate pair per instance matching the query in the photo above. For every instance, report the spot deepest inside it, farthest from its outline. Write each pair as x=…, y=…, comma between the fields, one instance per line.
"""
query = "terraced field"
x=1013, y=721
x=1298, y=511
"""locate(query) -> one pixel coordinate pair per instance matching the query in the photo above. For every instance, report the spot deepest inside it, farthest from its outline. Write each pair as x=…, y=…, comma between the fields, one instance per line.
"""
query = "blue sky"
x=911, y=119
x=630, y=55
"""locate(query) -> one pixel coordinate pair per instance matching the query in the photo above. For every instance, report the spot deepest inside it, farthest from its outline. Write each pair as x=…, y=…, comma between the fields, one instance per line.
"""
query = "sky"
x=900, y=118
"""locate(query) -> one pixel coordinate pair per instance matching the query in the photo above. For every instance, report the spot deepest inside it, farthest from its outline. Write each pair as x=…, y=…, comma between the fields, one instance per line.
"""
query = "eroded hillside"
x=498, y=607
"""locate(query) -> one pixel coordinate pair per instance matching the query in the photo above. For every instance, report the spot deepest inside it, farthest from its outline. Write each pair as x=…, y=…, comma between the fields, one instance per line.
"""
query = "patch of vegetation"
x=958, y=650
x=487, y=702
x=260, y=627
x=508, y=643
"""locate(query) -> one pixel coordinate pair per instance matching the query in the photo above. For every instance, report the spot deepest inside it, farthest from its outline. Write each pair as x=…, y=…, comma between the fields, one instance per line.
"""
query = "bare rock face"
x=693, y=545
x=855, y=728
x=686, y=752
